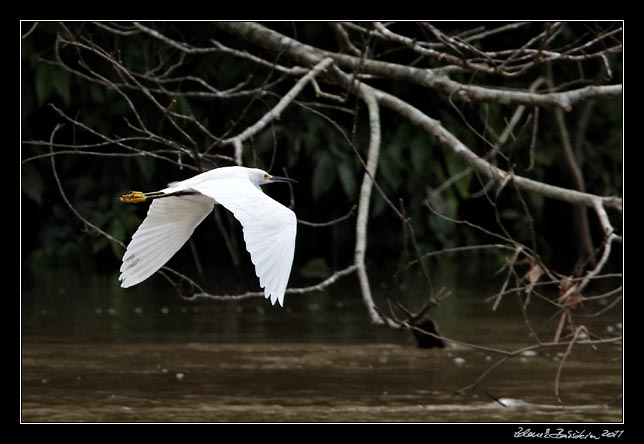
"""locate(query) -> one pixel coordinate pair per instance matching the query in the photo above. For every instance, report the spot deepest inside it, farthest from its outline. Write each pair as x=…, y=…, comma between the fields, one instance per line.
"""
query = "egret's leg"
x=138, y=196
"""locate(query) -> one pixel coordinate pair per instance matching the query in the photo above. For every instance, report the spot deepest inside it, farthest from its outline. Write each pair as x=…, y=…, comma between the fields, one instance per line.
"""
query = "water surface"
x=98, y=354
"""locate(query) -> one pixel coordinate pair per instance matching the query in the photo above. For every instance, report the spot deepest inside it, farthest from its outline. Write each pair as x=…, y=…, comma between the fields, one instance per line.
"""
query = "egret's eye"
x=267, y=176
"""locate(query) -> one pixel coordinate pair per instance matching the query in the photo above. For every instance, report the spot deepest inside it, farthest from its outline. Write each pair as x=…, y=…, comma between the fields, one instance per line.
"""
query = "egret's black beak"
x=282, y=179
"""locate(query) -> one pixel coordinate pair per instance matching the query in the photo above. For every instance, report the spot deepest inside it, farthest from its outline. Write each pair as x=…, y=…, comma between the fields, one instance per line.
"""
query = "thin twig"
x=321, y=286
x=275, y=113
x=28, y=33
x=331, y=222
x=578, y=331
x=66, y=200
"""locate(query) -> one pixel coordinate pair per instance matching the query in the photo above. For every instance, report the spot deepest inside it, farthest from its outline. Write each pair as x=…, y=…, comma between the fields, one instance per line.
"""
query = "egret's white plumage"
x=269, y=227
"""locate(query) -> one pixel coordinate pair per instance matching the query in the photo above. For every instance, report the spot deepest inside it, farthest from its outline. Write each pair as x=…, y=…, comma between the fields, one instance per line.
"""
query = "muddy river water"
x=95, y=355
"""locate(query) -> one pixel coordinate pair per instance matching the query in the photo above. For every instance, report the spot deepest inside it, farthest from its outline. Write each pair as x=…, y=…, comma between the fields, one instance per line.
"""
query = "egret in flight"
x=269, y=227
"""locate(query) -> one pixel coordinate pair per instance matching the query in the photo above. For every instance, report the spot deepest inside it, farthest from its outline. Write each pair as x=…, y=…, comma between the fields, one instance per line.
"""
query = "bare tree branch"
x=274, y=113
x=482, y=166
x=218, y=47
x=579, y=184
x=385, y=33
x=364, y=201
x=343, y=38
x=273, y=40
x=309, y=55
x=581, y=329
x=331, y=222
x=321, y=286
x=608, y=241
x=29, y=31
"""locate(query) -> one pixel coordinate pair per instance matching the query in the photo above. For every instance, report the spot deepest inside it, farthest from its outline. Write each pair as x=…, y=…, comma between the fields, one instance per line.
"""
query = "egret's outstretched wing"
x=168, y=225
x=269, y=230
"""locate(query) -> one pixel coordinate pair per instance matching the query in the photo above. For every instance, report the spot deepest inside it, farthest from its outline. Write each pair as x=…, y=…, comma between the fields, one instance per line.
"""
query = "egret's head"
x=260, y=177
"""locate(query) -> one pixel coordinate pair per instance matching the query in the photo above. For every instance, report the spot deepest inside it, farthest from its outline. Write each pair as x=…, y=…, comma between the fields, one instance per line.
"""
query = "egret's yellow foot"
x=133, y=197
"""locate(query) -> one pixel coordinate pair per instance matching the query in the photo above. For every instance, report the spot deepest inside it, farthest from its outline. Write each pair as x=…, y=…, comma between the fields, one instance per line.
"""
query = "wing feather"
x=169, y=223
x=269, y=230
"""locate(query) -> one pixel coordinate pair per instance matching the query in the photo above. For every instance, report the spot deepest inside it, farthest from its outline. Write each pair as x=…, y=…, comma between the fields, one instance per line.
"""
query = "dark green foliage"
x=412, y=165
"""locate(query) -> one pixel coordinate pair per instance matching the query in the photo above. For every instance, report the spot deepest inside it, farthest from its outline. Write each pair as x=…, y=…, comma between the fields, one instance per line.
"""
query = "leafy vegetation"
x=413, y=168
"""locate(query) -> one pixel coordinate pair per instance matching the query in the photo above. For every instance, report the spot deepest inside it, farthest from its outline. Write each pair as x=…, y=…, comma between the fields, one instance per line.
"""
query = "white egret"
x=269, y=227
